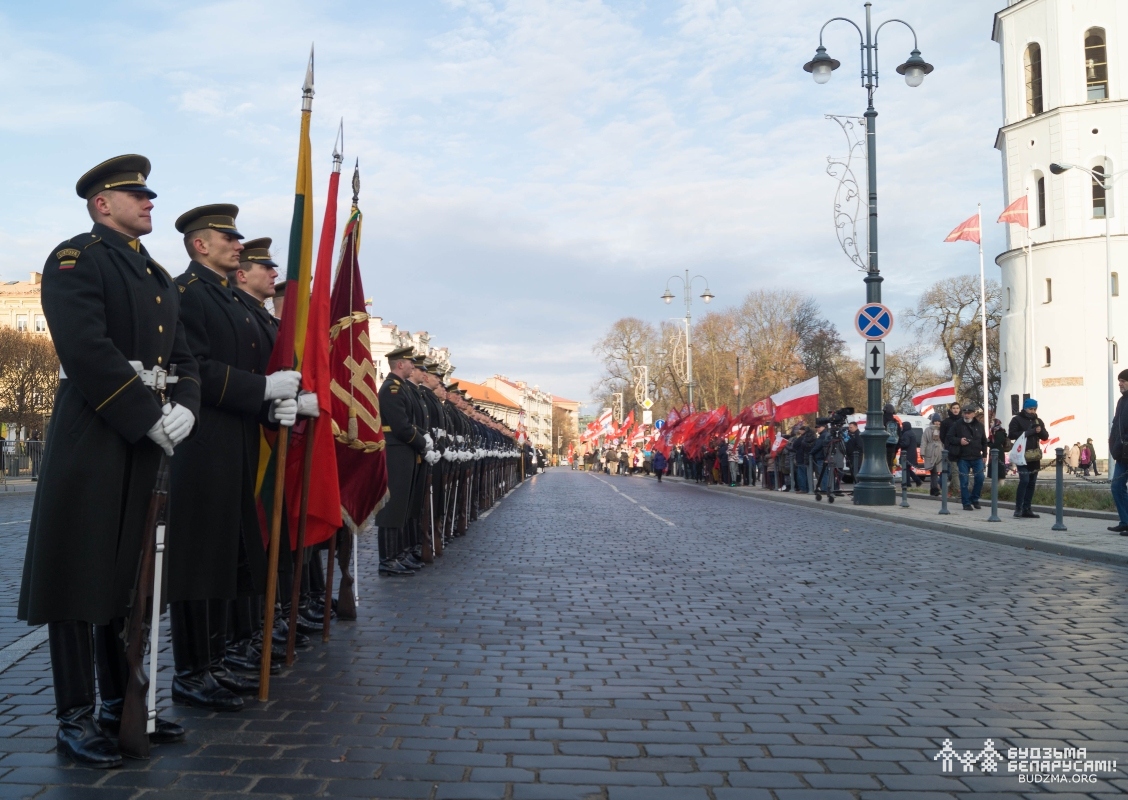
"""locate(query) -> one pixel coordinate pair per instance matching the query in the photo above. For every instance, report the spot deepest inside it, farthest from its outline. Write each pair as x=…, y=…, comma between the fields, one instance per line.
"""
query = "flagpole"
x=299, y=552
x=983, y=309
x=1030, y=314
x=272, y=562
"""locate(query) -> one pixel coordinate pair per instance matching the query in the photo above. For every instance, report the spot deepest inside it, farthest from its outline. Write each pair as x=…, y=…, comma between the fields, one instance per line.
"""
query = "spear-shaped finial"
x=356, y=182
x=307, y=87
x=338, y=146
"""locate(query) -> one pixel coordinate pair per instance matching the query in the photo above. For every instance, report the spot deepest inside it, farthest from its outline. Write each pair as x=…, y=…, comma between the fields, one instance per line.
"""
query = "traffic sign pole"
x=874, y=483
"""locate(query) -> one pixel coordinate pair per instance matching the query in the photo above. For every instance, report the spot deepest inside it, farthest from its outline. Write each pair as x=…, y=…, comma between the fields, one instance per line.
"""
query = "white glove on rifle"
x=158, y=435
x=284, y=412
x=307, y=405
x=177, y=422
x=282, y=385
x=448, y=455
x=430, y=442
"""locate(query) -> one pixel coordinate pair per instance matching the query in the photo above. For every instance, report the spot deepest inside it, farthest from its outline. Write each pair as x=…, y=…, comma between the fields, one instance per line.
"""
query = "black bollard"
x=995, y=455
x=1059, y=491
x=944, y=483
x=904, y=481
x=811, y=474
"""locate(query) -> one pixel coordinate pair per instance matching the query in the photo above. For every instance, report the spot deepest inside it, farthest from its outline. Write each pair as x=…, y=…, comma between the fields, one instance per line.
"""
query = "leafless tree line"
x=29, y=376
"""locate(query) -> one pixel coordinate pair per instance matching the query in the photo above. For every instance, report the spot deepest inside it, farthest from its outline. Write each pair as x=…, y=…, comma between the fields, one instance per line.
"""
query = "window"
x=1115, y=353
x=1041, y=201
x=1096, y=64
x=1098, y=193
x=1004, y=362
x=1048, y=359
x=1115, y=285
x=1033, y=80
x=40, y=324
x=1008, y=298
x=1049, y=291
x=21, y=323
x=1014, y=404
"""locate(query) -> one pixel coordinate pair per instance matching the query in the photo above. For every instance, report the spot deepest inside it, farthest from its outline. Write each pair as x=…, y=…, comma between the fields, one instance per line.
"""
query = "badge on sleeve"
x=67, y=257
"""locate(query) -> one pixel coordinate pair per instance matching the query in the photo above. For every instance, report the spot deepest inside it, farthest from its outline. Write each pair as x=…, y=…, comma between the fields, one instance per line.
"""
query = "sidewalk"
x=1086, y=537
x=18, y=486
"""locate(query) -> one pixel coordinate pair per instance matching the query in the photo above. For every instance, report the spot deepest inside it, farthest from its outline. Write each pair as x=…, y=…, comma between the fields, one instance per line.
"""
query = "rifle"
x=139, y=707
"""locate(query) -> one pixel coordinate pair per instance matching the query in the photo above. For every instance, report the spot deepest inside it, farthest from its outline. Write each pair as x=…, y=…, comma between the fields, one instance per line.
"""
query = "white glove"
x=177, y=422
x=430, y=442
x=307, y=405
x=284, y=412
x=448, y=455
x=282, y=385
x=158, y=435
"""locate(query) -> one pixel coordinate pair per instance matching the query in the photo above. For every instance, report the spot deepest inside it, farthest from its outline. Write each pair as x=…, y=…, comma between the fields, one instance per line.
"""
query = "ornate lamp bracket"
x=848, y=197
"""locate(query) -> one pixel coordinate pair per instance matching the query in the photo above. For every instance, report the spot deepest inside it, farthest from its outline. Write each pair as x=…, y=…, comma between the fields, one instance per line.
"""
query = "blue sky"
x=532, y=170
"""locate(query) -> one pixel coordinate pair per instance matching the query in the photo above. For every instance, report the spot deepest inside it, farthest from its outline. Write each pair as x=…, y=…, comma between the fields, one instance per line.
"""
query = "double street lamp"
x=1106, y=182
x=668, y=296
x=874, y=483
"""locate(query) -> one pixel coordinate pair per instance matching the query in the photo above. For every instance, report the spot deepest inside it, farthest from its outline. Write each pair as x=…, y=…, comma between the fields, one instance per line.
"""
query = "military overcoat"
x=404, y=444
x=106, y=304
x=215, y=544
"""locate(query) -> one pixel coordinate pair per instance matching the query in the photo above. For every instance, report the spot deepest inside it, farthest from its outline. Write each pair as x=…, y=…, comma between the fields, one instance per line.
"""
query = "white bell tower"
x=1065, y=103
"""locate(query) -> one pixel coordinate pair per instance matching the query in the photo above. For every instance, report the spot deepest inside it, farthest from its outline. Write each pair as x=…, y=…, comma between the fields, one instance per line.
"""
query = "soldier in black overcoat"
x=216, y=546
x=109, y=306
x=404, y=448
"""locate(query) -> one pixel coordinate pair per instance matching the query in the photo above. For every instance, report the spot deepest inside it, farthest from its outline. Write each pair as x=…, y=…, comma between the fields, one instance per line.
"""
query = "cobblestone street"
x=615, y=638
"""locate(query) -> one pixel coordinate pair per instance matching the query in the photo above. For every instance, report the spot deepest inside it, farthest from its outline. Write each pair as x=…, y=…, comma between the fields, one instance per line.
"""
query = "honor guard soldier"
x=112, y=311
x=215, y=546
x=405, y=447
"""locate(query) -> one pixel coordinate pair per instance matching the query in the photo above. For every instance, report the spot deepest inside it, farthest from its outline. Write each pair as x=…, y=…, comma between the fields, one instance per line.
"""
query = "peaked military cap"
x=435, y=368
x=257, y=251
x=280, y=289
x=218, y=217
x=400, y=353
x=420, y=360
x=122, y=173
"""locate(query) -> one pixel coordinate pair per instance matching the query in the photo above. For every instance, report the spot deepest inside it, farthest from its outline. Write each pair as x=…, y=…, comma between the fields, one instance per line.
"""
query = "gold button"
x=148, y=270
x=248, y=320
x=160, y=329
x=158, y=298
x=254, y=344
x=158, y=359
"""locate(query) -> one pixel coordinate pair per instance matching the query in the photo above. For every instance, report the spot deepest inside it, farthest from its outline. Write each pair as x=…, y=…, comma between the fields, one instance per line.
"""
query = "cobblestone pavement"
x=612, y=638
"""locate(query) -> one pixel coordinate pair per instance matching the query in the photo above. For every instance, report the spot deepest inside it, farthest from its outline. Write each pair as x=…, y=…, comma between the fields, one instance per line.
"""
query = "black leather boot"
x=217, y=649
x=193, y=683
x=72, y=668
x=113, y=676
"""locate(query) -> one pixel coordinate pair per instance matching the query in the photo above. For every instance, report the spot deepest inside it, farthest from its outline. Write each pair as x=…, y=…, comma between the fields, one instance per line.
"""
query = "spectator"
x=907, y=443
x=945, y=427
x=967, y=443
x=893, y=434
x=1026, y=425
x=821, y=478
x=735, y=458
x=1088, y=446
x=659, y=464
x=1073, y=459
x=1118, y=455
x=852, y=446
x=803, y=444
x=932, y=449
x=998, y=440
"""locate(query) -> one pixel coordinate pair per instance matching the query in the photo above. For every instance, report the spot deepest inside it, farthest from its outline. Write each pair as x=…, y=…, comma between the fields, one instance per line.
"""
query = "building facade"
x=536, y=403
x=492, y=402
x=1064, y=103
x=21, y=305
x=384, y=337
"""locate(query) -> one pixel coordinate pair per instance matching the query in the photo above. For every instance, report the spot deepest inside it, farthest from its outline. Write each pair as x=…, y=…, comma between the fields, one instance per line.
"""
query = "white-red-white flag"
x=935, y=395
x=1017, y=213
x=794, y=401
x=967, y=231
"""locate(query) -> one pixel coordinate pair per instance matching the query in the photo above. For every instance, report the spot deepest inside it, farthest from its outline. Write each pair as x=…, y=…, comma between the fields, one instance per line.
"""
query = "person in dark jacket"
x=1118, y=455
x=1026, y=425
x=908, y=444
x=659, y=464
x=945, y=427
x=893, y=437
x=967, y=443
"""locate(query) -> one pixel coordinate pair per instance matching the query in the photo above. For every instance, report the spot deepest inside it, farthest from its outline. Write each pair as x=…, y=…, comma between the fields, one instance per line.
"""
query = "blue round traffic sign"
x=658, y=423
x=874, y=321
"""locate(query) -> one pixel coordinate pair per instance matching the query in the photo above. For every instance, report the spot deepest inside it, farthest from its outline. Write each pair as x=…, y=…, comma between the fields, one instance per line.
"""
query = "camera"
x=837, y=419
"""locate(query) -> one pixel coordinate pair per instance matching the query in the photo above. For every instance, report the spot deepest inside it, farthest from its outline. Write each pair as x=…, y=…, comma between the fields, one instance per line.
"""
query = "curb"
x=848, y=509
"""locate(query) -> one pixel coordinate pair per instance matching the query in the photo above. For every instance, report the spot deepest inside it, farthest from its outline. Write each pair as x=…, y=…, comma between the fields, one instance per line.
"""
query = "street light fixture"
x=874, y=484
x=1107, y=182
x=707, y=296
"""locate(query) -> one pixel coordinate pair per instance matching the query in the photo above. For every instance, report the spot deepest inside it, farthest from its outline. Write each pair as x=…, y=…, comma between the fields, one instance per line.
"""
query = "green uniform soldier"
x=112, y=311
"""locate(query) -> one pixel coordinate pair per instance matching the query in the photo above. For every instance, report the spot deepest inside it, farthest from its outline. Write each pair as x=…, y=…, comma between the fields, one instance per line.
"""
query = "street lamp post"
x=1107, y=182
x=874, y=484
x=707, y=296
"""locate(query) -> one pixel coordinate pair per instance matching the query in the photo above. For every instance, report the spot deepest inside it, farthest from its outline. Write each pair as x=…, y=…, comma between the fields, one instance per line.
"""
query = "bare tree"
x=29, y=376
x=564, y=430
x=907, y=371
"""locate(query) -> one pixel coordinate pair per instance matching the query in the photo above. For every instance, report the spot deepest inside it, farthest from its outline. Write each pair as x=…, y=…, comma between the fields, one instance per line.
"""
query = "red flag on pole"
x=967, y=231
x=1017, y=213
x=356, y=410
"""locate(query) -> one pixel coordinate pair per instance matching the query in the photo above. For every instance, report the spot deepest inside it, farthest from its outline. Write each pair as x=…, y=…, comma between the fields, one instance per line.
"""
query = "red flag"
x=967, y=231
x=323, y=516
x=1017, y=213
x=356, y=409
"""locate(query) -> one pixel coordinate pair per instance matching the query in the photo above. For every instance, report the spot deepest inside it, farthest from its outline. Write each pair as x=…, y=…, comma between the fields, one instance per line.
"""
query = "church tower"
x=1065, y=103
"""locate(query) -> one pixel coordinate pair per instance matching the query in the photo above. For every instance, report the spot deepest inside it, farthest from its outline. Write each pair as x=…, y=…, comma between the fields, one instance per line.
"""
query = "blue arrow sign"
x=874, y=321
x=659, y=423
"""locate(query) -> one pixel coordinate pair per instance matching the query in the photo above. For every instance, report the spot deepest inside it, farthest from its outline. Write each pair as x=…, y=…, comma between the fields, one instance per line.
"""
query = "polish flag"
x=1017, y=213
x=935, y=395
x=797, y=400
x=967, y=231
